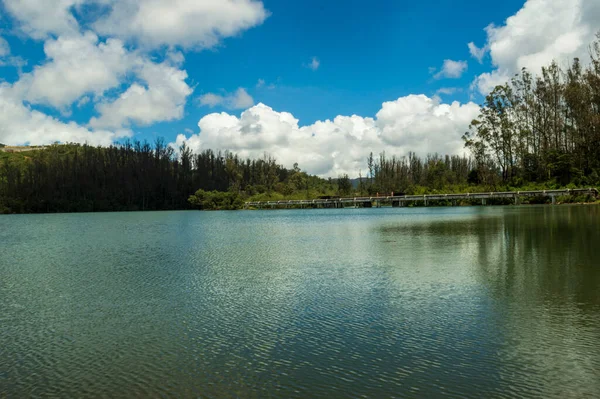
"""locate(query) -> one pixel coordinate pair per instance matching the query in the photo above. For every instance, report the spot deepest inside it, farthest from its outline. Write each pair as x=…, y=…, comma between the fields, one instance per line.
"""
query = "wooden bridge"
x=403, y=200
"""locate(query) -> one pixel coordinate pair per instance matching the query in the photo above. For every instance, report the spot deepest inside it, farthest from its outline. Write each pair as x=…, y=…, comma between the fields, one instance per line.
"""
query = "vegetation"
x=140, y=176
x=216, y=200
x=535, y=132
x=544, y=128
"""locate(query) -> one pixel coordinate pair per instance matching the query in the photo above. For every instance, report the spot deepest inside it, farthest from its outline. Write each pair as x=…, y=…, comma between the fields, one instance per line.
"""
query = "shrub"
x=216, y=200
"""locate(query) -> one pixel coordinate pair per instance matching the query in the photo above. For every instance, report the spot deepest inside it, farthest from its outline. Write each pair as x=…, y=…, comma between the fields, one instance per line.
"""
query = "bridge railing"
x=425, y=197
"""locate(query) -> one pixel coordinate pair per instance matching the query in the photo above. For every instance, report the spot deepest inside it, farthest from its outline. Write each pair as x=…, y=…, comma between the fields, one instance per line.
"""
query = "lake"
x=391, y=302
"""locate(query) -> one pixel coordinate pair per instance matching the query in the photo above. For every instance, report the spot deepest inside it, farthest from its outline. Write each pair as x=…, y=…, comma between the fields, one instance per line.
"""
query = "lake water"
x=404, y=302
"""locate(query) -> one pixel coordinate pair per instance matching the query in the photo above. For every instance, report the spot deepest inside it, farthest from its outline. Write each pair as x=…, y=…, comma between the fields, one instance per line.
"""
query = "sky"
x=321, y=83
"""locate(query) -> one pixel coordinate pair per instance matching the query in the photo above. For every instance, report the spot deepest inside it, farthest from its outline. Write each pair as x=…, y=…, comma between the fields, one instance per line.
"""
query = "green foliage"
x=216, y=200
x=344, y=185
x=543, y=128
x=532, y=134
x=140, y=176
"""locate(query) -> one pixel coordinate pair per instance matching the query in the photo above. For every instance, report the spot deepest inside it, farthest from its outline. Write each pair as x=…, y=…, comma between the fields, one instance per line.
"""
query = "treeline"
x=82, y=178
x=541, y=128
x=138, y=176
x=414, y=175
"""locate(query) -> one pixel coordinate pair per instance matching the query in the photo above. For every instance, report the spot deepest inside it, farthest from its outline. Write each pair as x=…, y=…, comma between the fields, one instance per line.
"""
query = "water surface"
x=422, y=302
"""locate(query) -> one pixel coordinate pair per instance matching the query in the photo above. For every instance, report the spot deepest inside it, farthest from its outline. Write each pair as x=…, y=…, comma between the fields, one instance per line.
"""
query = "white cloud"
x=160, y=96
x=241, y=99
x=421, y=124
x=39, y=18
x=4, y=47
x=314, y=64
x=76, y=65
x=448, y=90
x=486, y=82
x=238, y=100
x=262, y=84
x=476, y=52
x=20, y=125
x=7, y=59
x=83, y=101
x=211, y=99
x=83, y=66
x=329, y=148
x=80, y=65
x=451, y=69
x=541, y=31
x=186, y=23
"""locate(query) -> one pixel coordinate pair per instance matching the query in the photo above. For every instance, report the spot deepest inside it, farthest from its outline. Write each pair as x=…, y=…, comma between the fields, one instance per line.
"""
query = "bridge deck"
x=410, y=198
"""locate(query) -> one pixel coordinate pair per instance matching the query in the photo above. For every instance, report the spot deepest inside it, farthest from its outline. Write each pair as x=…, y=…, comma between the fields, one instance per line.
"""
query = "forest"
x=136, y=175
x=536, y=131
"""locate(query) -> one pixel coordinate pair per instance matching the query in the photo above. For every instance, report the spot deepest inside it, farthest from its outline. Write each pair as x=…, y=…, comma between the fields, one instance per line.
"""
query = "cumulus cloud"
x=76, y=65
x=421, y=124
x=241, y=99
x=211, y=99
x=541, y=31
x=41, y=18
x=331, y=147
x=112, y=63
x=451, y=69
x=486, y=82
x=20, y=125
x=154, y=23
x=180, y=22
x=160, y=95
x=238, y=100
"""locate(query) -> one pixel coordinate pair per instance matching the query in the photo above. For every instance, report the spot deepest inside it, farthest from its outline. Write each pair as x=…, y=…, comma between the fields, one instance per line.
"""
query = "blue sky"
x=100, y=70
x=367, y=54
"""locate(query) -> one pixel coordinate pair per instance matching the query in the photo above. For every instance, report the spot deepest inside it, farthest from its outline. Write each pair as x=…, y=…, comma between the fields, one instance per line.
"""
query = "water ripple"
x=462, y=302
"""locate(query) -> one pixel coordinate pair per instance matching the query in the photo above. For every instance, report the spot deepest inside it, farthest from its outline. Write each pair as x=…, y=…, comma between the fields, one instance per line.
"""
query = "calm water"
x=429, y=302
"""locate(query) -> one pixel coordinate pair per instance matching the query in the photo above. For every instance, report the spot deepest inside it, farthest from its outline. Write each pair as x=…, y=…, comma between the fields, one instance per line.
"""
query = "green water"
x=422, y=302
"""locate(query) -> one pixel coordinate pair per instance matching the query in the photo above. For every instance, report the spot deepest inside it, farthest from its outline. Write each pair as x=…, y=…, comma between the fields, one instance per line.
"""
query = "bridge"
x=404, y=200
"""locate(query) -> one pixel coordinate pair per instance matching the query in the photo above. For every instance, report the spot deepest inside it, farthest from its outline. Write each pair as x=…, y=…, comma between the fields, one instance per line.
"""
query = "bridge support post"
x=517, y=200
x=483, y=201
x=553, y=199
